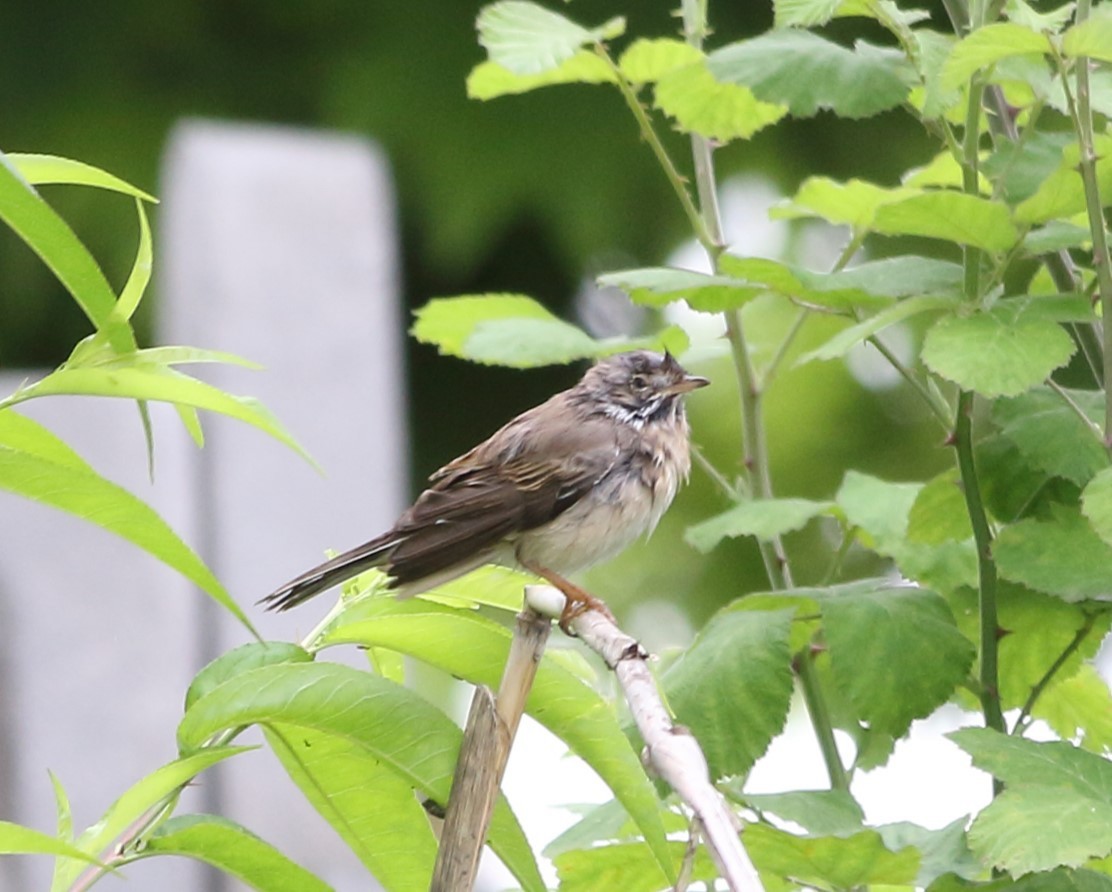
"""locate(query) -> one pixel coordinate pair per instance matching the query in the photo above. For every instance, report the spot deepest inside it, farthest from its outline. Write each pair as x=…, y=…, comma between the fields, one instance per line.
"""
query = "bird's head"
x=638, y=386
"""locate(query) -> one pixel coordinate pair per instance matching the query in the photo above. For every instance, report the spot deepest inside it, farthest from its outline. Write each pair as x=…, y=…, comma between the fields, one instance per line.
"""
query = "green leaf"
x=1051, y=21
x=1021, y=167
x=951, y=216
x=243, y=659
x=733, y=685
x=878, y=508
x=1062, y=193
x=819, y=812
x=41, y=170
x=395, y=726
x=660, y=286
x=516, y=331
x=763, y=518
x=608, y=822
x=148, y=381
x=528, y=39
x=895, y=651
x=16, y=839
x=37, y=465
x=830, y=861
x=805, y=72
x=628, y=867
x=233, y=849
x=1061, y=557
x=144, y=794
x=701, y=103
x=848, y=338
x=988, y=45
x=1056, y=808
x=648, y=60
x=140, y=275
x=367, y=803
x=48, y=235
x=489, y=80
x=803, y=13
x=1049, y=434
x=941, y=851
x=996, y=353
x=1091, y=38
x=939, y=513
x=1096, y=504
x=852, y=203
x=1055, y=236
x=474, y=648
x=1079, y=706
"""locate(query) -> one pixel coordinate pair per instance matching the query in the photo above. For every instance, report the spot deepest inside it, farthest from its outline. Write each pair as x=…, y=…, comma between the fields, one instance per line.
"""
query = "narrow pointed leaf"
x=16, y=839
x=52, y=169
x=234, y=850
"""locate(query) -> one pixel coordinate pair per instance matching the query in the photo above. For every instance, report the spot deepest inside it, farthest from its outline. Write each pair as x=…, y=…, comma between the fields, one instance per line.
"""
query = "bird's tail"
x=332, y=572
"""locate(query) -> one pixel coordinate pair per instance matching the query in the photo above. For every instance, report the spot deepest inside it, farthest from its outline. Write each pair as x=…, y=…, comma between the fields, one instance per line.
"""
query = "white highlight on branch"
x=670, y=749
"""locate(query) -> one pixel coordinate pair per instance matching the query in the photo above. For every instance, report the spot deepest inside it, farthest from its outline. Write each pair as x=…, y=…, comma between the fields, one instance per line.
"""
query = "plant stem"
x=986, y=569
x=820, y=718
x=1036, y=691
x=1082, y=115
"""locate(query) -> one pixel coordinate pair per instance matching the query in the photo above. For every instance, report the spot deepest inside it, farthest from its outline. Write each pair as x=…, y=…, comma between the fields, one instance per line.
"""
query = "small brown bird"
x=563, y=486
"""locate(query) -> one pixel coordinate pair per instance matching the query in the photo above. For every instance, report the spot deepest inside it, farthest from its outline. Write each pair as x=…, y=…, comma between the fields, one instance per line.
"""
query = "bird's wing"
x=523, y=477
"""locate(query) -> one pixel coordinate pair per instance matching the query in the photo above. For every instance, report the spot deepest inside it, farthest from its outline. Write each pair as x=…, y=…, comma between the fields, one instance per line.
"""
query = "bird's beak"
x=688, y=383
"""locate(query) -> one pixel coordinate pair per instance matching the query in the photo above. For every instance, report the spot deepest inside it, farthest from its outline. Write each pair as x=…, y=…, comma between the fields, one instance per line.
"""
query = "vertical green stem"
x=820, y=718
x=1083, y=122
x=751, y=395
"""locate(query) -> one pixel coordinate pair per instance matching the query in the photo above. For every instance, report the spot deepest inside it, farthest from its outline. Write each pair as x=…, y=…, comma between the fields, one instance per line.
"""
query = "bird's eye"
x=638, y=382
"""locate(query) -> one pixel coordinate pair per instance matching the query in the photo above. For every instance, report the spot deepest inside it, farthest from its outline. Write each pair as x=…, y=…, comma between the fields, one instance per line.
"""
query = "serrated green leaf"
x=1096, y=504
x=805, y=72
x=394, y=725
x=941, y=851
x=987, y=46
x=369, y=806
x=732, y=686
x=702, y=104
x=1079, y=706
x=819, y=812
x=526, y=38
x=48, y=235
x=830, y=861
x=243, y=659
x=1037, y=629
x=648, y=60
x=16, y=839
x=1091, y=38
x=660, y=286
x=850, y=337
x=474, y=648
x=1062, y=193
x=852, y=203
x=996, y=355
x=763, y=518
x=1021, y=167
x=878, y=508
x=1061, y=556
x=934, y=99
x=234, y=850
x=949, y=215
x=489, y=80
x=54, y=476
x=626, y=866
x=803, y=13
x=1049, y=434
x=895, y=651
x=1056, y=808
x=1050, y=22
x=939, y=513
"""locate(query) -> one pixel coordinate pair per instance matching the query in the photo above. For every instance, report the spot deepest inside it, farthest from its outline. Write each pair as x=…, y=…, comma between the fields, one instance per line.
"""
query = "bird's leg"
x=576, y=600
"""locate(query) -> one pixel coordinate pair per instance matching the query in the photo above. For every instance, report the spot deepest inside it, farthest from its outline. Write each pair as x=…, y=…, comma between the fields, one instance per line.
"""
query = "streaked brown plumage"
x=564, y=485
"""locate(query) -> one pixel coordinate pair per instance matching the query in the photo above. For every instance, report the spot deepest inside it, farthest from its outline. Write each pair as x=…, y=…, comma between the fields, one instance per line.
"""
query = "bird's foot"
x=577, y=601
